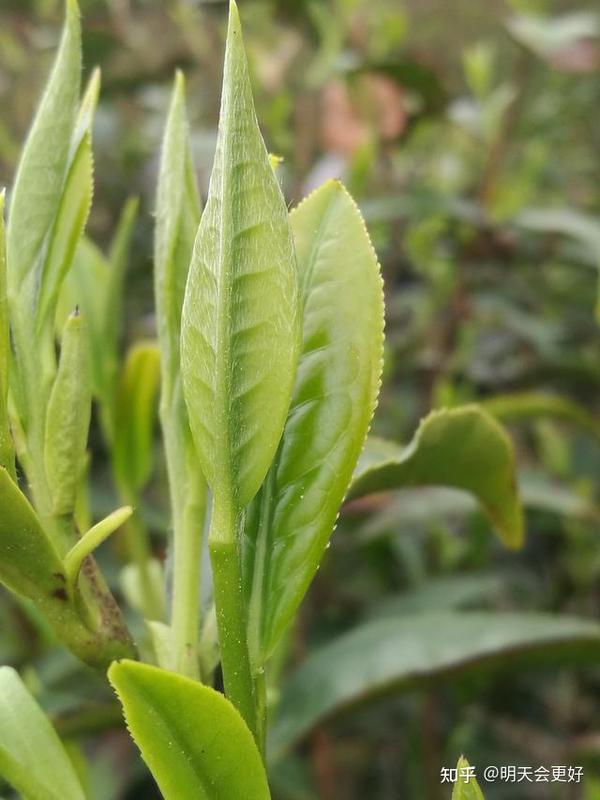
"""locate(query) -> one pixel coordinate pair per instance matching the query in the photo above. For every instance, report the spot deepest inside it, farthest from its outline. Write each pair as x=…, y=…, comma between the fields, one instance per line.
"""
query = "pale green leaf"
x=291, y=520
x=240, y=324
x=464, y=448
x=68, y=417
x=522, y=405
x=92, y=539
x=393, y=655
x=177, y=217
x=194, y=741
x=42, y=169
x=135, y=416
x=7, y=452
x=32, y=757
x=466, y=786
x=29, y=563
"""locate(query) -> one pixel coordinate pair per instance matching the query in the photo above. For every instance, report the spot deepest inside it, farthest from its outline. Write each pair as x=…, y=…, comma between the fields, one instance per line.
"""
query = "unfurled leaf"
x=466, y=786
x=135, y=416
x=240, y=325
x=68, y=417
x=194, y=741
x=43, y=166
x=537, y=404
x=32, y=757
x=29, y=563
x=291, y=520
x=464, y=448
x=7, y=452
x=394, y=655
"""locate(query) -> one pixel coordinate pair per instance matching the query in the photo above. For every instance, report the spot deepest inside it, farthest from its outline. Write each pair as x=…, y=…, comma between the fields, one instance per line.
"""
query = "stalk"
x=231, y=616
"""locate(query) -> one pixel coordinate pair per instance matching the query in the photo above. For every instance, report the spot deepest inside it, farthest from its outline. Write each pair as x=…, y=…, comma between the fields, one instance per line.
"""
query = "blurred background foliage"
x=469, y=133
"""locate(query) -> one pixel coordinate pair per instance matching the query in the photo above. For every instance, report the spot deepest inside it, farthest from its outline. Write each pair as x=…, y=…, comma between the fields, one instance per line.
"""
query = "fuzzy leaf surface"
x=464, y=448
x=240, y=325
x=291, y=520
x=194, y=741
x=41, y=172
x=32, y=757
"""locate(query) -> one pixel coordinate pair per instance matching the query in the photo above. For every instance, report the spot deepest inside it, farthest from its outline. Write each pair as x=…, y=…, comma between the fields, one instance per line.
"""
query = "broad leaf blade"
x=32, y=757
x=334, y=397
x=464, y=448
x=466, y=786
x=41, y=172
x=240, y=325
x=194, y=741
x=399, y=654
x=29, y=563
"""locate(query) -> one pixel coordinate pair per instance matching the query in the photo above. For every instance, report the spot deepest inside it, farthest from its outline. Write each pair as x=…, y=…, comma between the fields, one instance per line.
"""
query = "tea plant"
x=270, y=347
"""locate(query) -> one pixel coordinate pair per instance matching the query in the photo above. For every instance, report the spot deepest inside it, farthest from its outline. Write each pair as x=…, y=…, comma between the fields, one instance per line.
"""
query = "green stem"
x=187, y=547
x=231, y=616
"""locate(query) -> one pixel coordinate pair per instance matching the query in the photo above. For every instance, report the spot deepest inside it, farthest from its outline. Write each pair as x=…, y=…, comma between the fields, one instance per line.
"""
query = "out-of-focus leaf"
x=466, y=786
x=402, y=653
x=7, y=451
x=32, y=757
x=440, y=593
x=291, y=520
x=68, y=417
x=537, y=404
x=578, y=226
x=194, y=741
x=240, y=324
x=464, y=448
x=547, y=36
x=135, y=416
x=41, y=172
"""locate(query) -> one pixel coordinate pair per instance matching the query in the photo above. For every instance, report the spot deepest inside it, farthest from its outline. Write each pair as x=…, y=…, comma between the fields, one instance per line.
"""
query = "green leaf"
x=194, y=741
x=7, y=451
x=537, y=404
x=135, y=415
x=74, y=207
x=32, y=757
x=91, y=540
x=41, y=172
x=68, y=417
x=466, y=786
x=291, y=520
x=240, y=325
x=464, y=448
x=29, y=563
x=399, y=654
x=177, y=217
x=580, y=227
